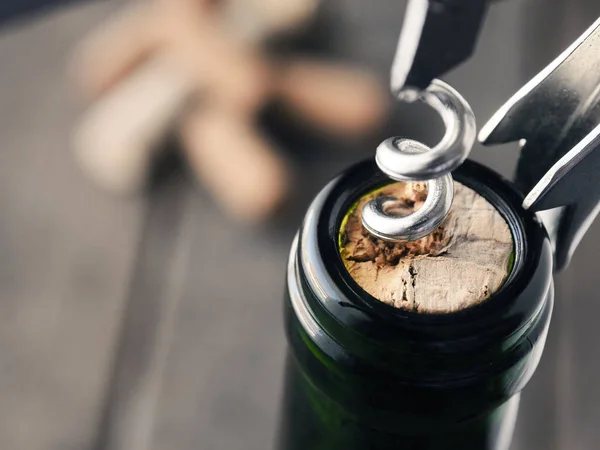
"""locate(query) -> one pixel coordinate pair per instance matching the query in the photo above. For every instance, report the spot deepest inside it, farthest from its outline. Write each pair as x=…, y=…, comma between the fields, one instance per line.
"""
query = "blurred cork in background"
x=197, y=69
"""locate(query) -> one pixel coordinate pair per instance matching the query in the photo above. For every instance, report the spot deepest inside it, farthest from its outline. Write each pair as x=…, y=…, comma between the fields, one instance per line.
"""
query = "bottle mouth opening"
x=465, y=258
x=515, y=227
x=502, y=316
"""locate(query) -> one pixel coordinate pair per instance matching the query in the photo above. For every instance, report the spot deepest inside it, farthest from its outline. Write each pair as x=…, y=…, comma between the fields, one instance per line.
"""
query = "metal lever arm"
x=556, y=116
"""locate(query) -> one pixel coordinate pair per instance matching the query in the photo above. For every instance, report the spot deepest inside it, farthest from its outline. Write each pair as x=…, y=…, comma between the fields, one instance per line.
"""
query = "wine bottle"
x=363, y=375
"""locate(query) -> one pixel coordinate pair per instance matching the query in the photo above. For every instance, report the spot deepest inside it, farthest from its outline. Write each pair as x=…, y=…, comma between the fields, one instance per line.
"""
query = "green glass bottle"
x=363, y=375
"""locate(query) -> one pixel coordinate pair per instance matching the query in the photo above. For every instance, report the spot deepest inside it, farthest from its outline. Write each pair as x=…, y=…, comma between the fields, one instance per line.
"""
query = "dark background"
x=154, y=323
x=11, y=10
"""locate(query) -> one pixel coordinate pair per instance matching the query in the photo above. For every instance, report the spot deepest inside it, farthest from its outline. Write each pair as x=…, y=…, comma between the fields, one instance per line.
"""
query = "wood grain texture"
x=66, y=249
x=223, y=373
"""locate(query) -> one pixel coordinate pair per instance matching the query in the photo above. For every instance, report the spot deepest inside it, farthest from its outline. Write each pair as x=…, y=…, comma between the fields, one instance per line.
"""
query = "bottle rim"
x=504, y=317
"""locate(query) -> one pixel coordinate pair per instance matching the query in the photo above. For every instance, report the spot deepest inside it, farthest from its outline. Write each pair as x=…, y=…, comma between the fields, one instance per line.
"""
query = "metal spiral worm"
x=409, y=160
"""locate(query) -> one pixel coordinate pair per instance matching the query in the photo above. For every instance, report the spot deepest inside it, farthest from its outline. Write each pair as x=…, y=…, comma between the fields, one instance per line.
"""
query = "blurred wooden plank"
x=148, y=324
x=66, y=249
x=224, y=369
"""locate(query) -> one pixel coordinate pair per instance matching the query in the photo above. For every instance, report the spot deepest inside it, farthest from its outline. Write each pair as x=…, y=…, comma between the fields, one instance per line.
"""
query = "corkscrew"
x=405, y=159
x=420, y=58
x=555, y=117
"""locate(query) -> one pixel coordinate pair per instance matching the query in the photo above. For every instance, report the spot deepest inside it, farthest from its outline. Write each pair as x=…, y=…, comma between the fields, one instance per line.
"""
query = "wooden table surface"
x=128, y=323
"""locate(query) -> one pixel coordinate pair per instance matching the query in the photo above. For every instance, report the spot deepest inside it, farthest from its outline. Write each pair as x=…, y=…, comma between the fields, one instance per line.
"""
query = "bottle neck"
x=311, y=419
x=357, y=349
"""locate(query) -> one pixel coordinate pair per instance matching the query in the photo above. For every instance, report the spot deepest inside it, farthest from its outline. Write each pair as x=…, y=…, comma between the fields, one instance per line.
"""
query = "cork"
x=461, y=264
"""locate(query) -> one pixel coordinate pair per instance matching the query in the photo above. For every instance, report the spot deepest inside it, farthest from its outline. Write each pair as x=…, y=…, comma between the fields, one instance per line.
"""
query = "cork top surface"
x=457, y=266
